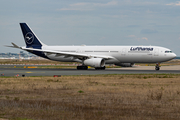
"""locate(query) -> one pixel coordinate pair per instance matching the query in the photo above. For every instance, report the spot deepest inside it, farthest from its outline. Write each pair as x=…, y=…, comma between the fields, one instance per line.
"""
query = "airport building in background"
x=21, y=56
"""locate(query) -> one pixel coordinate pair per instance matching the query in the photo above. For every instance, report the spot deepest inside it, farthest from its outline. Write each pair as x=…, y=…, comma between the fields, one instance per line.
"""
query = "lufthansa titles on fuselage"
x=141, y=49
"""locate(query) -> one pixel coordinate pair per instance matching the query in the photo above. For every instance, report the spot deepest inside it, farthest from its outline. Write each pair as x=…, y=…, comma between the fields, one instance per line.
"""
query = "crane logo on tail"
x=29, y=38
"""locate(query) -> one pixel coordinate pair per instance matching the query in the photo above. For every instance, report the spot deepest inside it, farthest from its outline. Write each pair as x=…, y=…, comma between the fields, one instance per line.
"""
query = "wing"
x=68, y=54
x=65, y=54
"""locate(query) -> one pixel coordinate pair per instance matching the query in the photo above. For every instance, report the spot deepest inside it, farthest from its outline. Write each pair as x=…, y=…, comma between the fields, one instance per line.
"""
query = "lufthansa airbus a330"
x=95, y=56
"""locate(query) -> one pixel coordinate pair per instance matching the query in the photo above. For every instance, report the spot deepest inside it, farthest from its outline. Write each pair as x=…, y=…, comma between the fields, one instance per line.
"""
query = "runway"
x=52, y=72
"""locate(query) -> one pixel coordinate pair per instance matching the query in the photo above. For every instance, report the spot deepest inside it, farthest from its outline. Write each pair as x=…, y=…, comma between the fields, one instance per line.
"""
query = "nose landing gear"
x=157, y=67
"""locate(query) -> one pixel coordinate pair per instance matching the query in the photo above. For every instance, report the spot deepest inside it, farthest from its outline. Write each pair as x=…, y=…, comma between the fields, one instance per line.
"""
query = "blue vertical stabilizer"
x=30, y=38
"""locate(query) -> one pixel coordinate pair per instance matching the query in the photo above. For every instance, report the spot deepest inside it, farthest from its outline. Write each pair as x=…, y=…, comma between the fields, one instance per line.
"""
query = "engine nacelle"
x=95, y=62
x=125, y=64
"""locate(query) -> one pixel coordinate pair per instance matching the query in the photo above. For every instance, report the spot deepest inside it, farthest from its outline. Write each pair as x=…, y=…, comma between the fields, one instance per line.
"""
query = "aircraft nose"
x=173, y=55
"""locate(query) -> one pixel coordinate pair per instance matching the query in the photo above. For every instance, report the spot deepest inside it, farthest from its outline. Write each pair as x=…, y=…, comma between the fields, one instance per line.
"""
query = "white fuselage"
x=120, y=54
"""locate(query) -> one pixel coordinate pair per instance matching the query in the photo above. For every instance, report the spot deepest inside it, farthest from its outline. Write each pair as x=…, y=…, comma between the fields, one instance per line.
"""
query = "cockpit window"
x=168, y=51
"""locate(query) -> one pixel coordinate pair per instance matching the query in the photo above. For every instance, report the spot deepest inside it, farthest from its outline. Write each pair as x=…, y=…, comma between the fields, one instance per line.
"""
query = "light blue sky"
x=92, y=22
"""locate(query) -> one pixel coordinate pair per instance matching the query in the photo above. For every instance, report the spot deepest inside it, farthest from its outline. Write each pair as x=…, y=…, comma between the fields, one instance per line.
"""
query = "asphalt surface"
x=52, y=72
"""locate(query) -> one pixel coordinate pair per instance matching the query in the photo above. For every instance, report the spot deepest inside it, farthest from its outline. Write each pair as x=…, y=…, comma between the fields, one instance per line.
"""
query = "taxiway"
x=52, y=72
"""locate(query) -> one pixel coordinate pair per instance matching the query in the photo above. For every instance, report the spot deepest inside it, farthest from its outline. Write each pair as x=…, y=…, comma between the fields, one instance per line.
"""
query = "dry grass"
x=126, y=97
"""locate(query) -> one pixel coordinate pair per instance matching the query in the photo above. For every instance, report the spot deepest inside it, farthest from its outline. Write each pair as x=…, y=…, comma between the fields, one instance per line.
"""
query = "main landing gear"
x=82, y=67
x=157, y=67
x=100, y=68
x=86, y=67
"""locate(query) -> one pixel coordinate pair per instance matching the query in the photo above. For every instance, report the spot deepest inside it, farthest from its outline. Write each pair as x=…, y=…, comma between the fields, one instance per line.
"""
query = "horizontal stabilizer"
x=14, y=46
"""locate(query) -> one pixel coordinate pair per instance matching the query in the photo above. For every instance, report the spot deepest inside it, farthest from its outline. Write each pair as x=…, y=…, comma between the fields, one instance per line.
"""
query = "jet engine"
x=125, y=64
x=95, y=62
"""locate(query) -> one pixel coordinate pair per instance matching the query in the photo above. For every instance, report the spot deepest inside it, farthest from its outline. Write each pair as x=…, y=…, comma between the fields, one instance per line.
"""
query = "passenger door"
x=156, y=52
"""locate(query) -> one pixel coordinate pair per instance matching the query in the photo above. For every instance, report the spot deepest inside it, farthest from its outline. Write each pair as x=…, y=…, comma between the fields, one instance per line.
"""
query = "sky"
x=92, y=22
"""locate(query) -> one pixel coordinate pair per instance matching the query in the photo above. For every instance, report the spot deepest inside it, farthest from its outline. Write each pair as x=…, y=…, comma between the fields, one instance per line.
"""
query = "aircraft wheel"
x=100, y=68
x=82, y=67
x=157, y=68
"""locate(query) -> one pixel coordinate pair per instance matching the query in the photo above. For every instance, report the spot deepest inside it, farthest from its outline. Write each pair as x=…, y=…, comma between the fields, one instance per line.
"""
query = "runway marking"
x=29, y=72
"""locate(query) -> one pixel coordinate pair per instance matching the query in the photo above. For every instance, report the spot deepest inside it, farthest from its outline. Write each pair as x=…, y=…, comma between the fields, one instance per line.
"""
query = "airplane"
x=95, y=56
